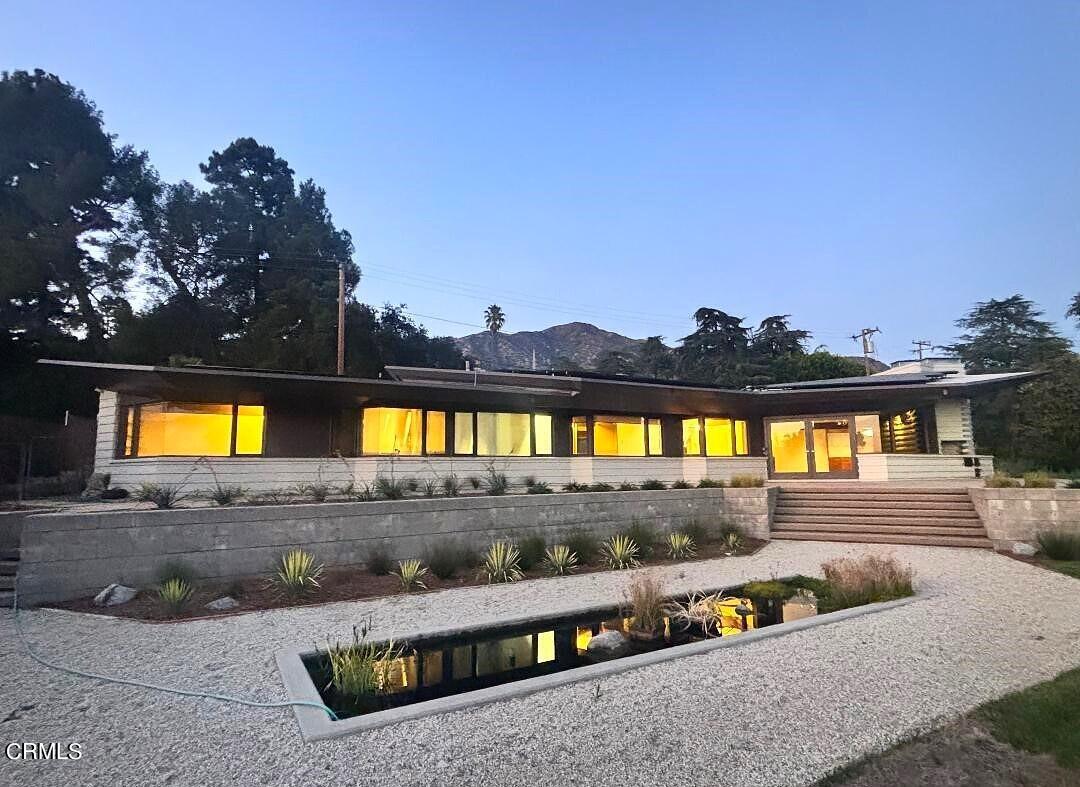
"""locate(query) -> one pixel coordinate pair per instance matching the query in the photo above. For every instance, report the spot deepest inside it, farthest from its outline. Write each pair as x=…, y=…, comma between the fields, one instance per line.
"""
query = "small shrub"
x=1001, y=481
x=378, y=561
x=1059, y=545
x=411, y=574
x=175, y=569
x=226, y=495
x=347, y=490
x=732, y=541
x=361, y=669
x=621, y=553
x=161, y=495
x=1038, y=480
x=531, y=549
x=365, y=493
x=319, y=492
x=275, y=496
x=644, y=535
x=389, y=488
x=501, y=563
x=474, y=481
x=681, y=484
x=600, y=486
x=644, y=601
x=539, y=488
x=496, y=483
x=771, y=589
x=446, y=559
x=746, y=480
x=297, y=573
x=697, y=532
x=681, y=546
x=451, y=485
x=865, y=580
x=430, y=487
x=560, y=560
x=584, y=544
x=626, y=486
x=653, y=483
x=574, y=486
x=529, y=480
x=412, y=484
x=1072, y=483
x=710, y=483
x=174, y=594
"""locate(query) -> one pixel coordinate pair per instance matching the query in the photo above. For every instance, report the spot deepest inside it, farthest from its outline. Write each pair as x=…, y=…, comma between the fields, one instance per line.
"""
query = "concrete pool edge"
x=315, y=725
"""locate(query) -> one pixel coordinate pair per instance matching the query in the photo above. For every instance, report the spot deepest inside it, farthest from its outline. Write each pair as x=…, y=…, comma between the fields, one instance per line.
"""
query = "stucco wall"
x=1012, y=515
x=70, y=555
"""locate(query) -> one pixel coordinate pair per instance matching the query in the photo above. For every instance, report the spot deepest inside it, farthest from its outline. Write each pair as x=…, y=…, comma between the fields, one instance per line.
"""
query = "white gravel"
x=783, y=711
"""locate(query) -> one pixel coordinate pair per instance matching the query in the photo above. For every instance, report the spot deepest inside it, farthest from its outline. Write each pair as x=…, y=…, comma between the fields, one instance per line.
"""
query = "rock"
x=609, y=645
x=114, y=595
x=115, y=493
x=1020, y=548
x=95, y=485
x=225, y=602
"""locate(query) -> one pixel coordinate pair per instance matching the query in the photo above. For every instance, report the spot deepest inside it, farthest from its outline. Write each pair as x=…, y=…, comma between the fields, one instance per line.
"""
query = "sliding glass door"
x=812, y=447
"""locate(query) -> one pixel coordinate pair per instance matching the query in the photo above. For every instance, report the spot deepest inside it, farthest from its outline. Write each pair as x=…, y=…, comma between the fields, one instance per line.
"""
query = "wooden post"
x=341, y=319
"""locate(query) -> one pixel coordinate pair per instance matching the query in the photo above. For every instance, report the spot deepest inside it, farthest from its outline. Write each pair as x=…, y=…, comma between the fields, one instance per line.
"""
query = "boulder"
x=223, y=603
x=95, y=485
x=114, y=493
x=115, y=594
x=609, y=645
x=1026, y=550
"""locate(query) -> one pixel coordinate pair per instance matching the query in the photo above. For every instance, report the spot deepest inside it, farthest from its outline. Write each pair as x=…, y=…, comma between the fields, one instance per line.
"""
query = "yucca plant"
x=621, y=552
x=539, y=488
x=226, y=495
x=175, y=594
x=161, y=495
x=502, y=563
x=389, y=488
x=430, y=486
x=496, y=483
x=733, y=542
x=560, y=560
x=680, y=546
x=451, y=485
x=411, y=574
x=297, y=573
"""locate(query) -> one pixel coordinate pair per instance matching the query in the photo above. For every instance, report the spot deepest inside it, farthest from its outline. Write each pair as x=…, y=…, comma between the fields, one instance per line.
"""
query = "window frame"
x=703, y=436
x=131, y=415
x=590, y=425
x=453, y=414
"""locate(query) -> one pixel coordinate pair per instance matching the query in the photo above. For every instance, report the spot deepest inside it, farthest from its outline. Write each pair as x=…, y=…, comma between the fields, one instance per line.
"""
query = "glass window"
x=391, y=430
x=502, y=434
x=542, y=437
x=742, y=440
x=545, y=647
x=618, y=435
x=868, y=434
x=579, y=436
x=185, y=429
x=433, y=663
x=249, y=430
x=656, y=439
x=461, y=662
x=719, y=437
x=463, y=433
x=691, y=437
x=435, y=436
x=501, y=655
x=787, y=443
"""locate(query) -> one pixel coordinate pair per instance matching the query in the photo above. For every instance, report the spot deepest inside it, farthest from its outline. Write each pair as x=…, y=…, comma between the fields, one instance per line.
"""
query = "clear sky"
x=870, y=164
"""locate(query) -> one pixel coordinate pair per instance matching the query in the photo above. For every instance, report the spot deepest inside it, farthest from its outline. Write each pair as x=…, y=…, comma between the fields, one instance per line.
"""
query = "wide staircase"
x=879, y=515
x=9, y=564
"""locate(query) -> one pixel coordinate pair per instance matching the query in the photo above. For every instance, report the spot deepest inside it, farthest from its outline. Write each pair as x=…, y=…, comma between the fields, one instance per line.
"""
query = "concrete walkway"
x=782, y=711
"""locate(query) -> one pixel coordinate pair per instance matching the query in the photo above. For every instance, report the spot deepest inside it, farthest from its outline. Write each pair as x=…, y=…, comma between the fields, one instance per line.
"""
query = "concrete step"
x=884, y=538
x=7, y=583
x=9, y=554
x=8, y=567
x=883, y=497
x=859, y=487
x=838, y=501
x=897, y=510
x=7, y=599
x=873, y=519
x=919, y=530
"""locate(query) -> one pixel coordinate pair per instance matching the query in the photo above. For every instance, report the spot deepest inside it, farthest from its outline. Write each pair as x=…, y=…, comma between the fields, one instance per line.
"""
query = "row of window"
x=191, y=429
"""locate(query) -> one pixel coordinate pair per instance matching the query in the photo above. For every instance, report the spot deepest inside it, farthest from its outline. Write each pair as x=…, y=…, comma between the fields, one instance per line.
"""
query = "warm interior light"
x=249, y=430
x=185, y=429
x=435, y=439
x=545, y=647
x=502, y=434
x=581, y=641
x=617, y=435
x=542, y=436
x=691, y=437
x=719, y=437
x=391, y=430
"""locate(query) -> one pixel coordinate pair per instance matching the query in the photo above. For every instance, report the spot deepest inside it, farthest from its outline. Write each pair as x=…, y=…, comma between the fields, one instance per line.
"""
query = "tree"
x=63, y=182
x=818, y=365
x=494, y=319
x=775, y=337
x=717, y=351
x=1074, y=309
x=1006, y=335
x=617, y=363
x=655, y=359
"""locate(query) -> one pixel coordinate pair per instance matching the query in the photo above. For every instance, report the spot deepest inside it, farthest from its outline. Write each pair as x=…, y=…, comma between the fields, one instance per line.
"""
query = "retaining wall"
x=1012, y=515
x=68, y=556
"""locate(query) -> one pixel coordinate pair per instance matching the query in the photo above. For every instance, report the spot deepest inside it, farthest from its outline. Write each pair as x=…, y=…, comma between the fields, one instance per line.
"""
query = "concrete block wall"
x=1012, y=515
x=73, y=555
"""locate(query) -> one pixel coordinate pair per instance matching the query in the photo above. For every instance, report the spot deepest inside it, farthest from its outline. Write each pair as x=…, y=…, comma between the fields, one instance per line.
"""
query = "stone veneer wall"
x=1012, y=515
x=67, y=556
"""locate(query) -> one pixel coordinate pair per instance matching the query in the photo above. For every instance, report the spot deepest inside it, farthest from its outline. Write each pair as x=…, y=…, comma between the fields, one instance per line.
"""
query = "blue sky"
x=874, y=164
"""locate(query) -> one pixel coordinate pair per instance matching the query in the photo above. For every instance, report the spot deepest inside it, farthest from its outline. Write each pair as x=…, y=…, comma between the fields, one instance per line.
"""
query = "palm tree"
x=494, y=319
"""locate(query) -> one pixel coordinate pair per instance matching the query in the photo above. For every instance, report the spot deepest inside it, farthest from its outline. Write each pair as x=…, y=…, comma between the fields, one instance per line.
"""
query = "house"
x=202, y=425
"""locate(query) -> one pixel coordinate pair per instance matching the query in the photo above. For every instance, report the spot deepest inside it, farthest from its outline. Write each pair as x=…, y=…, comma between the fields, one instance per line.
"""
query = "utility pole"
x=341, y=319
x=867, y=345
x=921, y=346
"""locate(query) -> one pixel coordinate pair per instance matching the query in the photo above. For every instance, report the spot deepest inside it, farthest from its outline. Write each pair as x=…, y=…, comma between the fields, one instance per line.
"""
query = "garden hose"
x=152, y=686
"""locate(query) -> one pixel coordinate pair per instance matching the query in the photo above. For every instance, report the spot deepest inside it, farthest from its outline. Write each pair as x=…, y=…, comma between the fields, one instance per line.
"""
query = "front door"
x=812, y=447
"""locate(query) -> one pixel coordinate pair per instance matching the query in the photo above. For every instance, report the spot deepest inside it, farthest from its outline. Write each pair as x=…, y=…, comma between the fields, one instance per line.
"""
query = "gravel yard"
x=782, y=711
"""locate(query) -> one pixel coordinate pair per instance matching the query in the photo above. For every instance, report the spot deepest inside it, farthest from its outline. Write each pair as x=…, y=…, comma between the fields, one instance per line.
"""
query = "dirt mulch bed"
x=338, y=584
x=963, y=754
